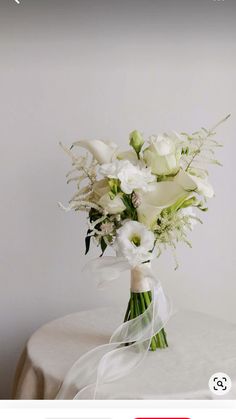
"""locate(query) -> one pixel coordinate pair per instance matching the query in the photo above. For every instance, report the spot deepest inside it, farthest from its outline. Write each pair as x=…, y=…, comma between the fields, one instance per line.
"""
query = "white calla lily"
x=195, y=183
x=161, y=195
x=102, y=151
x=129, y=155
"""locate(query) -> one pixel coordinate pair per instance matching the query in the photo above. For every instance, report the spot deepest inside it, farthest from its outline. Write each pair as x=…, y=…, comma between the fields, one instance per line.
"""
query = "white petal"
x=126, y=248
x=102, y=151
x=129, y=155
x=161, y=195
x=100, y=187
x=195, y=183
x=112, y=206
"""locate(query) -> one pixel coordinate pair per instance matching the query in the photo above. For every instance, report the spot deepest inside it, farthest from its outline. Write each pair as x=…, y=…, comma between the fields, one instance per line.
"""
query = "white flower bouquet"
x=139, y=202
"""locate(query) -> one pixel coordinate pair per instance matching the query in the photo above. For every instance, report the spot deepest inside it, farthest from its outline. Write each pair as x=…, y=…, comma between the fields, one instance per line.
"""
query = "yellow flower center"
x=136, y=240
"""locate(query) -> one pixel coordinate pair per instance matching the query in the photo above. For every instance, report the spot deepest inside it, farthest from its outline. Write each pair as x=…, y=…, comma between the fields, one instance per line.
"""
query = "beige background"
x=99, y=69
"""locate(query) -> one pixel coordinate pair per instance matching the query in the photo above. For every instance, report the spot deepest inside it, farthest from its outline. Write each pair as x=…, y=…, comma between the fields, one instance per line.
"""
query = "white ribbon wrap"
x=114, y=360
x=139, y=281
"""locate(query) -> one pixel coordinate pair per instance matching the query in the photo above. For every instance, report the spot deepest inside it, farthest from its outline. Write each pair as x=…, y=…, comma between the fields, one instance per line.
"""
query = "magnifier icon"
x=220, y=384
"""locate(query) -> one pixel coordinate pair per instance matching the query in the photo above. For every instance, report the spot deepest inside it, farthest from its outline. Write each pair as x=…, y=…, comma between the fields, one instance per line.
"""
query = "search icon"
x=220, y=384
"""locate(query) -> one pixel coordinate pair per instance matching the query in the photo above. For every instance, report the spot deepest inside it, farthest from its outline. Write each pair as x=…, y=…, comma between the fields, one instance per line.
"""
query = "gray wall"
x=99, y=69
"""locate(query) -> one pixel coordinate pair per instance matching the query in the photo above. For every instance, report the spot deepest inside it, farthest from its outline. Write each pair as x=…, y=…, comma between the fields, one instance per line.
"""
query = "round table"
x=199, y=346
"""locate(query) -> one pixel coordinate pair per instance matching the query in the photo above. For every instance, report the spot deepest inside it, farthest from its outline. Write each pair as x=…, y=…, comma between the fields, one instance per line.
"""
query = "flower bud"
x=136, y=200
x=136, y=141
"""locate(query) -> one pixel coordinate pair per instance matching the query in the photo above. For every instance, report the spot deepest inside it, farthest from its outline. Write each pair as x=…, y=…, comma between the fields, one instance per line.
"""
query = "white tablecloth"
x=199, y=346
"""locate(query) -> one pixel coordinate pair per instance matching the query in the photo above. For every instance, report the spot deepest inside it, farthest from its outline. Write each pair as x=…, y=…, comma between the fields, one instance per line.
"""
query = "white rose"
x=162, y=195
x=135, y=242
x=163, y=154
x=131, y=177
x=112, y=206
x=198, y=184
x=102, y=151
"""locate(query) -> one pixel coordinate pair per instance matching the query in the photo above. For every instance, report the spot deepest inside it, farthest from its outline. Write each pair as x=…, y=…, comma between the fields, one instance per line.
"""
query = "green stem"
x=136, y=310
x=132, y=313
x=138, y=304
x=142, y=302
x=127, y=314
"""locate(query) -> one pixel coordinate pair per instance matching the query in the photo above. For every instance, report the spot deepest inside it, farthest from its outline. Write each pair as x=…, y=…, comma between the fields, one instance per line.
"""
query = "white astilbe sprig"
x=107, y=228
x=171, y=229
x=83, y=193
x=84, y=175
x=106, y=232
x=80, y=206
x=93, y=224
x=199, y=148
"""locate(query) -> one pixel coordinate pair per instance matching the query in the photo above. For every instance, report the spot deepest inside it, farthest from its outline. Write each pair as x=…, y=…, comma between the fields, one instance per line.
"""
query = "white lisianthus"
x=135, y=242
x=111, y=170
x=131, y=177
x=161, y=195
x=163, y=154
x=198, y=184
x=112, y=205
x=102, y=151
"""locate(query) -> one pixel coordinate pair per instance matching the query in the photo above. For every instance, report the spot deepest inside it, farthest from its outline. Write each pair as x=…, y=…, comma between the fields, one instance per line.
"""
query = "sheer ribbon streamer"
x=128, y=345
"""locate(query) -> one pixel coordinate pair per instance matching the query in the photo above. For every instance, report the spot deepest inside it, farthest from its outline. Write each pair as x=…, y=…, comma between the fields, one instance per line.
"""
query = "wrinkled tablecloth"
x=199, y=346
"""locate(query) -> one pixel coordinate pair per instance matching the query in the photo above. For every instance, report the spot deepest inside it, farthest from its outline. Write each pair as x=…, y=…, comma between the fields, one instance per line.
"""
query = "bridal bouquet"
x=141, y=201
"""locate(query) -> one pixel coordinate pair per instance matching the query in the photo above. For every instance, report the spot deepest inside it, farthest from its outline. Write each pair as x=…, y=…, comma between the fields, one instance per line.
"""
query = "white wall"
x=99, y=69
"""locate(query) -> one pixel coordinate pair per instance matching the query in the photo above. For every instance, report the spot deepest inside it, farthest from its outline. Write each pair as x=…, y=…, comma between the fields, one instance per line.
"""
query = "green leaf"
x=130, y=210
x=127, y=202
x=87, y=241
x=103, y=246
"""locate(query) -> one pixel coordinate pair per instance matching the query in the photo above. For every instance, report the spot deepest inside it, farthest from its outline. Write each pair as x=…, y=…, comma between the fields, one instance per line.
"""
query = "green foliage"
x=130, y=211
x=87, y=241
x=103, y=245
x=94, y=215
